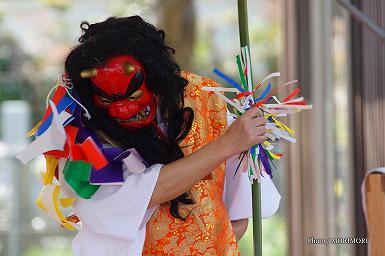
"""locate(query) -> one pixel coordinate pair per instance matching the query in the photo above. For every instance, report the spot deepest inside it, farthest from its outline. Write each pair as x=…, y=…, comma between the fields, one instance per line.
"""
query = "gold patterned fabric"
x=207, y=229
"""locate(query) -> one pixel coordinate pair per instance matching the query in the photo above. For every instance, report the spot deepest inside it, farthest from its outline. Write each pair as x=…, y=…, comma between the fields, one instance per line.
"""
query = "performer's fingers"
x=260, y=112
x=252, y=112
x=261, y=130
x=259, y=121
x=261, y=139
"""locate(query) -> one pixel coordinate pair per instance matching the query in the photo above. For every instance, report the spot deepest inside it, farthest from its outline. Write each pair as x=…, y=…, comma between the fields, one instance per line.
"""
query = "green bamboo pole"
x=256, y=188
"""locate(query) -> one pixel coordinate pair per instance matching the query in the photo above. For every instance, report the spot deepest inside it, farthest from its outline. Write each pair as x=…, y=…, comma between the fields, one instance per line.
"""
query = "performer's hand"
x=246, y=131
x=179, y=176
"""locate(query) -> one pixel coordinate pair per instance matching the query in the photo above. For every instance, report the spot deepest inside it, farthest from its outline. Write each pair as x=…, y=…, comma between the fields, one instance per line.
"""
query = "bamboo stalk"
x=256, y=188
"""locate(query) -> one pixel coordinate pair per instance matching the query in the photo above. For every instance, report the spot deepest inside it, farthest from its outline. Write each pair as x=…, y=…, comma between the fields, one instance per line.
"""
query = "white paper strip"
x=134, y=162
x=272, y=75
x=53, y=138
x=219, y=89
x=288, y=106
x=294, y=100
x=232, y=103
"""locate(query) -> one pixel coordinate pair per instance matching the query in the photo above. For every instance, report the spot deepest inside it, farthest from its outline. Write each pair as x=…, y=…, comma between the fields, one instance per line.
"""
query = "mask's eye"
x=104, y=100
x=136, y=95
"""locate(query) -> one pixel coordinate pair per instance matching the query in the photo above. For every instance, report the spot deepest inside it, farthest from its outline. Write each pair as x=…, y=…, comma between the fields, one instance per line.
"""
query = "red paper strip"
x=261, y=102
x=292, y=95
x=59, y=94
x=242, y=94
x=87, y=151
x=71, y=132
x=93, y=154
x=296, y=103
x=58, y=153
x=76, y=153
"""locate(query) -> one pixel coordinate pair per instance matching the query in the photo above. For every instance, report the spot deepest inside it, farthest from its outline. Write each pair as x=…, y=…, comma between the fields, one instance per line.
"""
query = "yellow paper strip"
x=34, y=129
x=284, y=127
x=51, y=164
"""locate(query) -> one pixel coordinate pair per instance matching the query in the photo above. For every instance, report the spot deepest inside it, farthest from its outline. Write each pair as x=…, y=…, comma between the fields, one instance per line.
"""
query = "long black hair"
x=140, y=39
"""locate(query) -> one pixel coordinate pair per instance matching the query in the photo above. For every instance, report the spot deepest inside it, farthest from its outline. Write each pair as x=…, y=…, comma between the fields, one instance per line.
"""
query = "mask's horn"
x=88, y=73
x=128, y=68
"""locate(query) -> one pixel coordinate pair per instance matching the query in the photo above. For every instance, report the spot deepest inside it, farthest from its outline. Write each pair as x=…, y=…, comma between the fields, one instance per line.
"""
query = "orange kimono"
x=207, y=229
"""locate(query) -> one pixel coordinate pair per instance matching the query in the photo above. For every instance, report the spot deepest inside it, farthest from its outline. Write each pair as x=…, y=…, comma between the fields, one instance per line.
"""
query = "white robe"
x=114, y=218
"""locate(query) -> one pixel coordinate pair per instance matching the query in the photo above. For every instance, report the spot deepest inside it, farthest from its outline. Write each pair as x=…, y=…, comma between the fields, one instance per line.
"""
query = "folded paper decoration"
x=259, y=158
x=87, y=164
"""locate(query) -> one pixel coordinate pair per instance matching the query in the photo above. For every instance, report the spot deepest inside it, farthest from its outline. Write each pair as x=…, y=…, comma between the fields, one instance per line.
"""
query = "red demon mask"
x=120, y=88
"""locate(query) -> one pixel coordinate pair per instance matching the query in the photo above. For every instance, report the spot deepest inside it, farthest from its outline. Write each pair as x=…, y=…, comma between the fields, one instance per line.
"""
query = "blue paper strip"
x=252, y=151
x=229, y=80
x=63, y=104
x=265, y=92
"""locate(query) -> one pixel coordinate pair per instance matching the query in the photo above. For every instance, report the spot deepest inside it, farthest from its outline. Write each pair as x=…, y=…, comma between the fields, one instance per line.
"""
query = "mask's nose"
x=123, y=110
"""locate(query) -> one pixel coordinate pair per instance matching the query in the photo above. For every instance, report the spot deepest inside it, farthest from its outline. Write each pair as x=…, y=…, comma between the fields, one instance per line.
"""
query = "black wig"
x=134, y=36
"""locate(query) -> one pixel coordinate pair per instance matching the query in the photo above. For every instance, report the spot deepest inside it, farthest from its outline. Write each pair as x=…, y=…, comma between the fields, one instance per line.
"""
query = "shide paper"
x=259, y=159
x=75, y=154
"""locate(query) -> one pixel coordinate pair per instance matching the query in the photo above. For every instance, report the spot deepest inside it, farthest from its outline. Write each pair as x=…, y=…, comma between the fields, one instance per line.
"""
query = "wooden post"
x=375, y=200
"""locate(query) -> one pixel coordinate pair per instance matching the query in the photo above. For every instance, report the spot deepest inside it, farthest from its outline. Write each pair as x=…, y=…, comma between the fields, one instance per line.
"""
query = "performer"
x=137, y=97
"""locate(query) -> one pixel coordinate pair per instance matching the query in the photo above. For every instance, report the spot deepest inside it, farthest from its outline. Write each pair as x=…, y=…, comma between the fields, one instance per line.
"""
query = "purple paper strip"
x=112, y=153
x=111, y=174
x=265, y=161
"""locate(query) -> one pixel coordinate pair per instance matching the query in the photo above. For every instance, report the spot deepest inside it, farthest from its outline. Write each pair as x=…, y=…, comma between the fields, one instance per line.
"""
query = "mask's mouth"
x=142, y=115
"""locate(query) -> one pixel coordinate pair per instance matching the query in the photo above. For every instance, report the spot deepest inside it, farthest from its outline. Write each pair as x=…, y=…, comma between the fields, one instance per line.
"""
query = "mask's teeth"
x=134, y=118
x=141, y=115
x=147, y=110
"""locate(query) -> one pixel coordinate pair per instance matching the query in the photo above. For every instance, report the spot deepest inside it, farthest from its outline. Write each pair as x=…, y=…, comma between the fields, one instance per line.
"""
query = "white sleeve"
x=237, y=191
x=120, y=211
x=270, y=197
